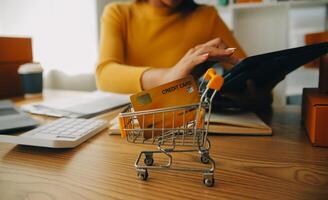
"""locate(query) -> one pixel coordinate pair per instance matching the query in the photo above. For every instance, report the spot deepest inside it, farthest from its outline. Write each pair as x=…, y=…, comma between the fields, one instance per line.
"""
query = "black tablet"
x=266, y=67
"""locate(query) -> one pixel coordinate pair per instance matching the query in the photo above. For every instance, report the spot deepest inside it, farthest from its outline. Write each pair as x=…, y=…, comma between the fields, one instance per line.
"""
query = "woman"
x=150, y=42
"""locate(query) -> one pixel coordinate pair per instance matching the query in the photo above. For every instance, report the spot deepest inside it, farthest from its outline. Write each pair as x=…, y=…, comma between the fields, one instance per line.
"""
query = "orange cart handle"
x=209, y=74
x=215, y=81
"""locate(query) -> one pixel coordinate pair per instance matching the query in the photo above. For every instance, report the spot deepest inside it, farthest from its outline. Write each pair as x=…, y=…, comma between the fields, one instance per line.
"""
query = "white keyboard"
x=61, y=133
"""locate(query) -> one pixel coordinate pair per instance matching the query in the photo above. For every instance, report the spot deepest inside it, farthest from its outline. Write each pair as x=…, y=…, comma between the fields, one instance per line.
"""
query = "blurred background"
x=65, y=35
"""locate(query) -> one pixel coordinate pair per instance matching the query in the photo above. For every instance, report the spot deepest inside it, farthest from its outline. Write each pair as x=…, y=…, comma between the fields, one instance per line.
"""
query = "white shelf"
x=293, y=3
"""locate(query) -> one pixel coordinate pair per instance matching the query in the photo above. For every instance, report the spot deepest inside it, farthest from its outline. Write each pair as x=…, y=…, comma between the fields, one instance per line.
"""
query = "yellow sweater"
x=137, y=36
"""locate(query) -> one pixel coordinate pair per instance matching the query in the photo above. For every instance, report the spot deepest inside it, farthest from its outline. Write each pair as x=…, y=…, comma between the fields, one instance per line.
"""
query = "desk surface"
x=284, y=166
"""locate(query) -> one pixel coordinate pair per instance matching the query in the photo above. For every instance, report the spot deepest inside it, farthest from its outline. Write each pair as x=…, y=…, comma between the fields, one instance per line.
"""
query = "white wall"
x=64, y=34
x=1, y=21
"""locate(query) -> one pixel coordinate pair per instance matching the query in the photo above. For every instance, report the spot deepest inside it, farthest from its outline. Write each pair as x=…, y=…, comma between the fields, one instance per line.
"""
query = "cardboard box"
x=13, y=53
x=315, y=115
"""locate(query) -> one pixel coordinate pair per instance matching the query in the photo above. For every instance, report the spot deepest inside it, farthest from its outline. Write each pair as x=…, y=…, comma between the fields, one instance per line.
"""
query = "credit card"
x=176, y=93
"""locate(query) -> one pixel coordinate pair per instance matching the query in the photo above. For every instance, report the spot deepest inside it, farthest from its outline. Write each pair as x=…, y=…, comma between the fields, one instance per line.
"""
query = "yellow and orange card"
x=176, y=93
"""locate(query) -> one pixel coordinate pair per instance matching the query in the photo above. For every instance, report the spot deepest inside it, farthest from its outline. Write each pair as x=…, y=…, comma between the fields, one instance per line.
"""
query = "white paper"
x=84, y=104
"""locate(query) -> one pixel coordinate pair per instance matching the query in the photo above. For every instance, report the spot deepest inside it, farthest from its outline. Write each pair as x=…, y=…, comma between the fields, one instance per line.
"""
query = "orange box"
x=13, y=53
x=315, y=38
x=315, y=115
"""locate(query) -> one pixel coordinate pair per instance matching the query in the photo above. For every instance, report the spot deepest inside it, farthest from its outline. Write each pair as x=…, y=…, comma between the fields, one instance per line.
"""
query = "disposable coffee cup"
x=31, y=79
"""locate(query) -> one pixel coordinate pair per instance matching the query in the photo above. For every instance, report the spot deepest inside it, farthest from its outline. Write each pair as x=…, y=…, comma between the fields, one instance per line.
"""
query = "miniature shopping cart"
x=192, y=134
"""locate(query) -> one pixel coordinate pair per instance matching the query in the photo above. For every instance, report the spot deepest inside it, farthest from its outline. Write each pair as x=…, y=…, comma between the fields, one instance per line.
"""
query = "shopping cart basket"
x=192, y=134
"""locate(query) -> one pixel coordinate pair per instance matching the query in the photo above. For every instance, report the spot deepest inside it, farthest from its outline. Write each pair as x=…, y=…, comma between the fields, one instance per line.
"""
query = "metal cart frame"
x=192, y=134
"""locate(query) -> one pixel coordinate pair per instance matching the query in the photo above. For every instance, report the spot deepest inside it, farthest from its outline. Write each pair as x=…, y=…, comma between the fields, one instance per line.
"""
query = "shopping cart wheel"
x=208, y=179
x=149, y=161
x=209, y=182
x=205, y=158
x=143, y=174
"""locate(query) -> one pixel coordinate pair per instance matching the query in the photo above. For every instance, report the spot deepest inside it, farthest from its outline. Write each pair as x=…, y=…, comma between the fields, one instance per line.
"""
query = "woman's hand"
x=214, y=50
x=217, y=56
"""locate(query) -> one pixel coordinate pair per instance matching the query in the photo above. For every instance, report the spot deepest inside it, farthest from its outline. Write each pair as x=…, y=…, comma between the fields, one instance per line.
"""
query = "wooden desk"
x=284, y=166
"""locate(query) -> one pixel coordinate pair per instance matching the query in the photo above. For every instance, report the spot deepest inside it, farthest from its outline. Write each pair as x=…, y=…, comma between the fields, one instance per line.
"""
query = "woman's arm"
x=119, y=78
x=212, y=50
x=112, y=74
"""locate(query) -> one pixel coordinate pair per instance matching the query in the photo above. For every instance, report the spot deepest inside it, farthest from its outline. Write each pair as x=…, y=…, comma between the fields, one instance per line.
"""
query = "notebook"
x=238, y=123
